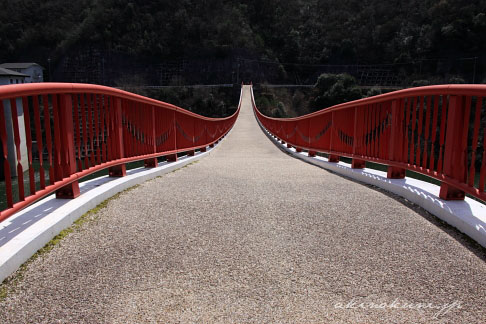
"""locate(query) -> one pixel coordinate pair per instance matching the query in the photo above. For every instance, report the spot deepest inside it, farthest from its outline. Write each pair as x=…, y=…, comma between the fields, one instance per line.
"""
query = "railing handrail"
x=86, y=128
x=433, y=90
x=29, y=89
x=425, y=129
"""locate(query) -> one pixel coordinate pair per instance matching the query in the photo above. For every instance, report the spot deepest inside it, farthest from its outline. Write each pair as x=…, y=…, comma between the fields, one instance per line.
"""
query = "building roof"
x=17, y=65
x=7, y=72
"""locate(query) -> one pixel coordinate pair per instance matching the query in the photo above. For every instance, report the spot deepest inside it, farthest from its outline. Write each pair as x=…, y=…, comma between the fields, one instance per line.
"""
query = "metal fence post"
x=68, y=157
x=310, y=152
x=332, y=157
x=356, y=163
x=118, y=150
x=173, y=157
x=152, y=162
x=454, y=154
x=394, y=147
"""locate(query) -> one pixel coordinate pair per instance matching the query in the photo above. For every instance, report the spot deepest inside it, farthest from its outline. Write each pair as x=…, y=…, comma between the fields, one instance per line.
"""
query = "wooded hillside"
x=210, y=39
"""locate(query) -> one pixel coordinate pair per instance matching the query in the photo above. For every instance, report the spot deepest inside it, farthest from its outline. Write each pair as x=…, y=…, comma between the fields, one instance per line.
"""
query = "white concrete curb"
x=32, y=228
x=468, y=216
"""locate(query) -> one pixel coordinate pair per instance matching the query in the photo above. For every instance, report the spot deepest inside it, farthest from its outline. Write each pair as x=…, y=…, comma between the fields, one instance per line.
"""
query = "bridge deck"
x=250, y=234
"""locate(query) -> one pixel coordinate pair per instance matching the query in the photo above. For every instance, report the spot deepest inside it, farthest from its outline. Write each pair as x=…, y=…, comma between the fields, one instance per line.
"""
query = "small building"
x=8, y=76
x=13, y=77
x=34, y=72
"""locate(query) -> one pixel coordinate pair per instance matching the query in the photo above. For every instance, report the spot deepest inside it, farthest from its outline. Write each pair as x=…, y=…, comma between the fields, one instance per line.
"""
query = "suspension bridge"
x=248, y=234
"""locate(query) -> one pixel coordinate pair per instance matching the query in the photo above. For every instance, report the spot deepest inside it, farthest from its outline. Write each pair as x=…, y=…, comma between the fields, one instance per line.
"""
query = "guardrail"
x=61, y=132
x=439, y=131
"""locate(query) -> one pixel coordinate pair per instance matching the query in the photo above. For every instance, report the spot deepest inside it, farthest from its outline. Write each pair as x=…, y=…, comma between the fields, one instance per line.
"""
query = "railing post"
x=152, y=162
x=310, y=153
x=395, y=149
x=332, y=157
x=118, y=151
x=68, y=158
x=193, y=152
x=454, y=153
x=6, y=164
x=205, y=148
x=173, y=157
x=356, y=163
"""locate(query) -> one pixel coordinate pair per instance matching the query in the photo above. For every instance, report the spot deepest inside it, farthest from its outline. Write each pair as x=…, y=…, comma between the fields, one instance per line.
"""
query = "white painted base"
x=23, y=234
x=468, y=216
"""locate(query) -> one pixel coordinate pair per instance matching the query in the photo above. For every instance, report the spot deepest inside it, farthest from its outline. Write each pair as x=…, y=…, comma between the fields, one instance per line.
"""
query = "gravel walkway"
x=251, y=235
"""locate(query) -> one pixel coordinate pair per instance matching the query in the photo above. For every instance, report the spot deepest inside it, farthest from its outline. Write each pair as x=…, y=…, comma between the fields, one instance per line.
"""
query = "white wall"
x=11, y=80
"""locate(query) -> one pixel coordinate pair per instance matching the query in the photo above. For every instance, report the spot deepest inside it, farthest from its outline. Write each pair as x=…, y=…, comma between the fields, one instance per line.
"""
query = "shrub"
x=333, y=89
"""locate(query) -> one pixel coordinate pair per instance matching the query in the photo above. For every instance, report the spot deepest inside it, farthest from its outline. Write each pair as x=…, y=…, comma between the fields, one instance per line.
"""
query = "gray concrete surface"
x=251, y=235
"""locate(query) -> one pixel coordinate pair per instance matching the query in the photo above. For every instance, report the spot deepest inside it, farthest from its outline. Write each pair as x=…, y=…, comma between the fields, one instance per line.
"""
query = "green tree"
x=333, y=89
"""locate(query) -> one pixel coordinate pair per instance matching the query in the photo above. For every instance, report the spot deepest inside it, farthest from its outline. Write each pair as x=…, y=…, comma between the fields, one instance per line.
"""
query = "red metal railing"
x=438, y=131
x=58, y=133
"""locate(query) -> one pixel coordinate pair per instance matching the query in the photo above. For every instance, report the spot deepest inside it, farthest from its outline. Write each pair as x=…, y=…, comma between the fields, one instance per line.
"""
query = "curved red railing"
x=61, y=132
x=438, y=131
